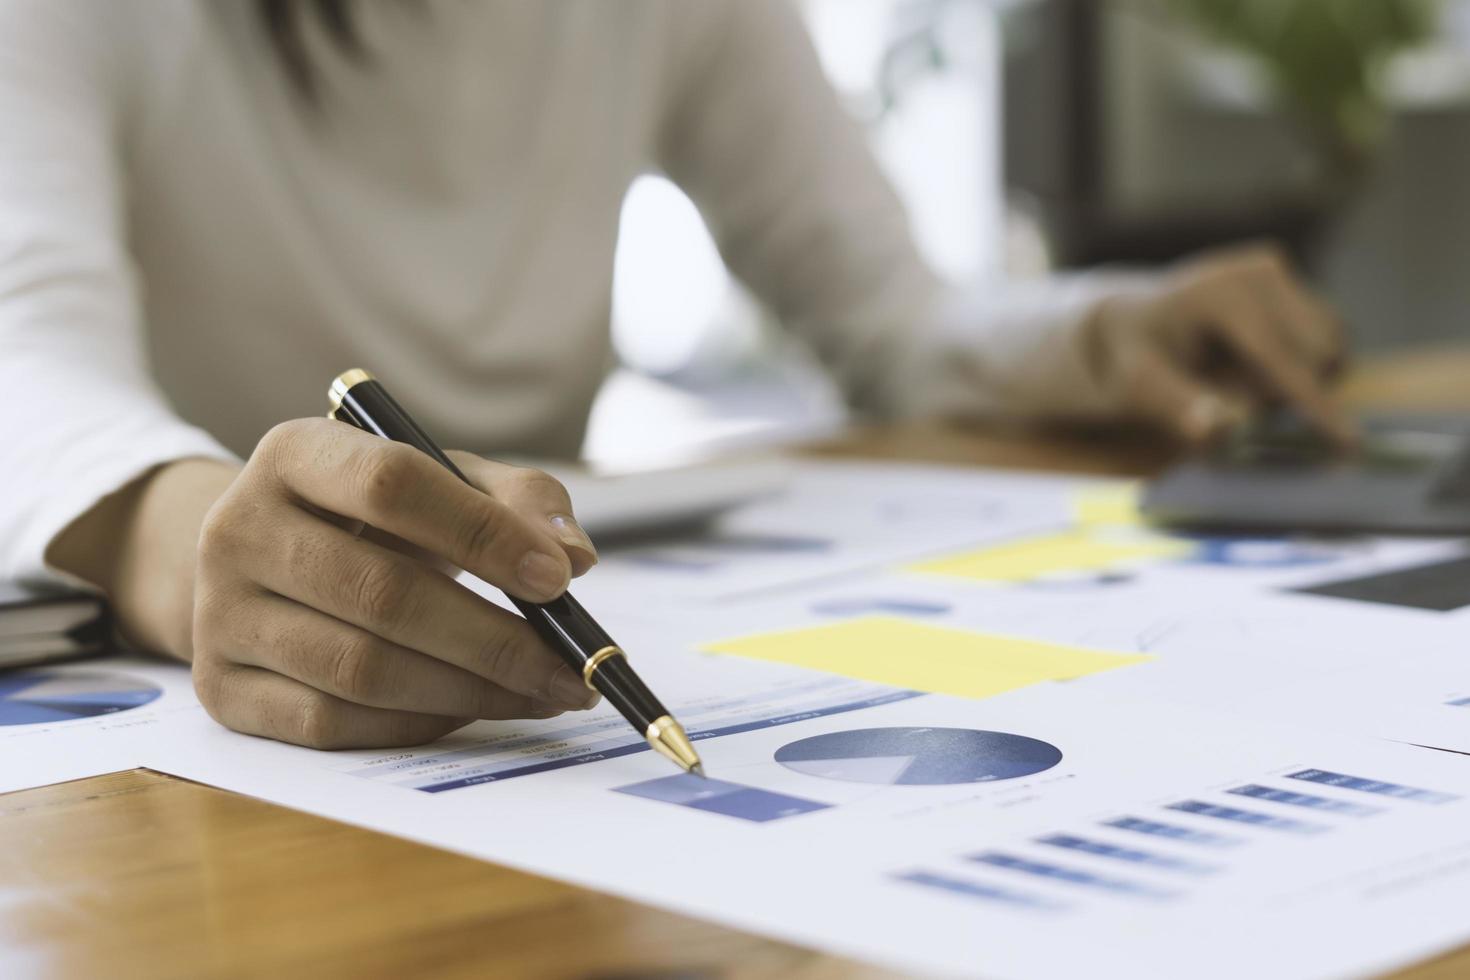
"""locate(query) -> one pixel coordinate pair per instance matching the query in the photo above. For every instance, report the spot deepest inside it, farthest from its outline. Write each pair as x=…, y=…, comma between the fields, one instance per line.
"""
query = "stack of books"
x=42, y=626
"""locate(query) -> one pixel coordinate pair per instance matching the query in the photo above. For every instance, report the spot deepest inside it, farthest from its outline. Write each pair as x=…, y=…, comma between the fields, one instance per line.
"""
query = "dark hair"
x=284, y=25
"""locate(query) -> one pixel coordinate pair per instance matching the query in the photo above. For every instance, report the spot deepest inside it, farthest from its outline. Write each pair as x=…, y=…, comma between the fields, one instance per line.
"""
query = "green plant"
x=1325, y=59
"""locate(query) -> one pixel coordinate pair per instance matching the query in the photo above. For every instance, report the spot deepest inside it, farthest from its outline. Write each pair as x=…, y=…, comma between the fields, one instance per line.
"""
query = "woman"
x=207, y=210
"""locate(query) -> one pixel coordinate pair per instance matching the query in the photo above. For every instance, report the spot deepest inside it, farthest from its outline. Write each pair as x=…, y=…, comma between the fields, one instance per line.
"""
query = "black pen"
x=361, y=400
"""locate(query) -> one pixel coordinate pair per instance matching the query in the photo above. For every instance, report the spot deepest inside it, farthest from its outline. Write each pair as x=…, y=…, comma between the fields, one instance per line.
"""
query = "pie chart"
x=918, y=756
x=38, y=697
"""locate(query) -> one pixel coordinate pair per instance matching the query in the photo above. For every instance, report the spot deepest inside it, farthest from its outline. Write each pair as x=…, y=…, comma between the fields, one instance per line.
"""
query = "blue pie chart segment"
x=918, y=756
x=38, y=697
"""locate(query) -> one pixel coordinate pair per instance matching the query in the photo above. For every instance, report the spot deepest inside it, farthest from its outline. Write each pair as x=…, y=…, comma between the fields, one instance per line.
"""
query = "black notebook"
x=38, y=626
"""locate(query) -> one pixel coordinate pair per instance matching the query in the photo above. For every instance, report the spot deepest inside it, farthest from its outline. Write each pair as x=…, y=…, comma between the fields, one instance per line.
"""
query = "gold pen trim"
x=669, y=740
x=343, y=383
x=595, y=661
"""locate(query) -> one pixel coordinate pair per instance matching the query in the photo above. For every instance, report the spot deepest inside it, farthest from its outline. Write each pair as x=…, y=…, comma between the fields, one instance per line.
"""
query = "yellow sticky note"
x=921, y=657
x=1080, y=550
x=1109, y=504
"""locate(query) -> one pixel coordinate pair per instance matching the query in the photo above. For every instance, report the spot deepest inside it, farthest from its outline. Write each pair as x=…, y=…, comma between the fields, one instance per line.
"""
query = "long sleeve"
x=755, y=134
x=82, y=417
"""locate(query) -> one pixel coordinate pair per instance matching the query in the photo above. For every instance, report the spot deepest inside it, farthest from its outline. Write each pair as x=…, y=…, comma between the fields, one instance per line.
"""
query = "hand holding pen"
x=359, y=399
x=308, y=633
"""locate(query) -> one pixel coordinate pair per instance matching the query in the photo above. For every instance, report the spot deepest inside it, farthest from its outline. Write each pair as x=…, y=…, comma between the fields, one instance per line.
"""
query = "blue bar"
x=1251, y=817
x=858, y=606
x=1374, y=786
x=1128, y=854
x=749, y=726
x=1459, y=702
x=1072, y=876
x=1173, y=832
x=974, y=889
x=1258, y=792
x=718, y=796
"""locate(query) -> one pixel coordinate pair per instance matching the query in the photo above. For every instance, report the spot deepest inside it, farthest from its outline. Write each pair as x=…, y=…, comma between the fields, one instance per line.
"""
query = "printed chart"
x=1171, y=851
x=918, y=756
x=717, y=796
x=41, y=697
x=524, y=750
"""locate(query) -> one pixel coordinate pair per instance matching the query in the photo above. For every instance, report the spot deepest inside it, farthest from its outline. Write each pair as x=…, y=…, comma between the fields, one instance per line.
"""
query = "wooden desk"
x=142, y=875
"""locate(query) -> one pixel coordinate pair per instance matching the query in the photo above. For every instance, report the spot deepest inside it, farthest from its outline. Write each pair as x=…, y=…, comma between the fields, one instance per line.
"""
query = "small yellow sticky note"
x=1080, y=550
x=1114, y=504
x=921, y=657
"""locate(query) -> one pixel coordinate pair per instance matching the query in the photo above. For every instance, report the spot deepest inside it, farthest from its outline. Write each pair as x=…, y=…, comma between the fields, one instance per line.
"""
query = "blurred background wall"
x=1168, y=140
x=1030, y=135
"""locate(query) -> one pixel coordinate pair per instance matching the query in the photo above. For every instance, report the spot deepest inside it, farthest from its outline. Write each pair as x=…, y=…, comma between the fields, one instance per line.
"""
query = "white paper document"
x=1361, y=668
x=833, y=519
x=71, y=721
x=1049, y=832
x=1216, y=637
x=956, y=722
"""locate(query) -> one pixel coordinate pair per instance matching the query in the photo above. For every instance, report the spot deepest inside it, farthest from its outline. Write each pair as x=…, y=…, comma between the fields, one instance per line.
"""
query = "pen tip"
x=670, y=741
x=698, y=770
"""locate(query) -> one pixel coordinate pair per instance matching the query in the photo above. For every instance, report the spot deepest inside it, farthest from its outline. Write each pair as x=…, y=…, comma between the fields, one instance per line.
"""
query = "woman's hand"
x=1226, y=332
x=307, y=632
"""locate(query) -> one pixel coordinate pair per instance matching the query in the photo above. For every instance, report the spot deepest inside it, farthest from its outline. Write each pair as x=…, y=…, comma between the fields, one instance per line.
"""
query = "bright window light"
x=670, y=286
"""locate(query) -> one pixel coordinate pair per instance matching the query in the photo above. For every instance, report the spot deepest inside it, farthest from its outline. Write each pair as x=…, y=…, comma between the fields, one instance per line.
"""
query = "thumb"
x=1189, y=409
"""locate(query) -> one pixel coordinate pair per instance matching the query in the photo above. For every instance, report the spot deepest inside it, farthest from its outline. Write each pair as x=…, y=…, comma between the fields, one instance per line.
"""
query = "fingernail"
x=567, y=687
x=543, y=576
x=571, y=534
x=1233, y=415
x=1210, y=417
x=1203, y=418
